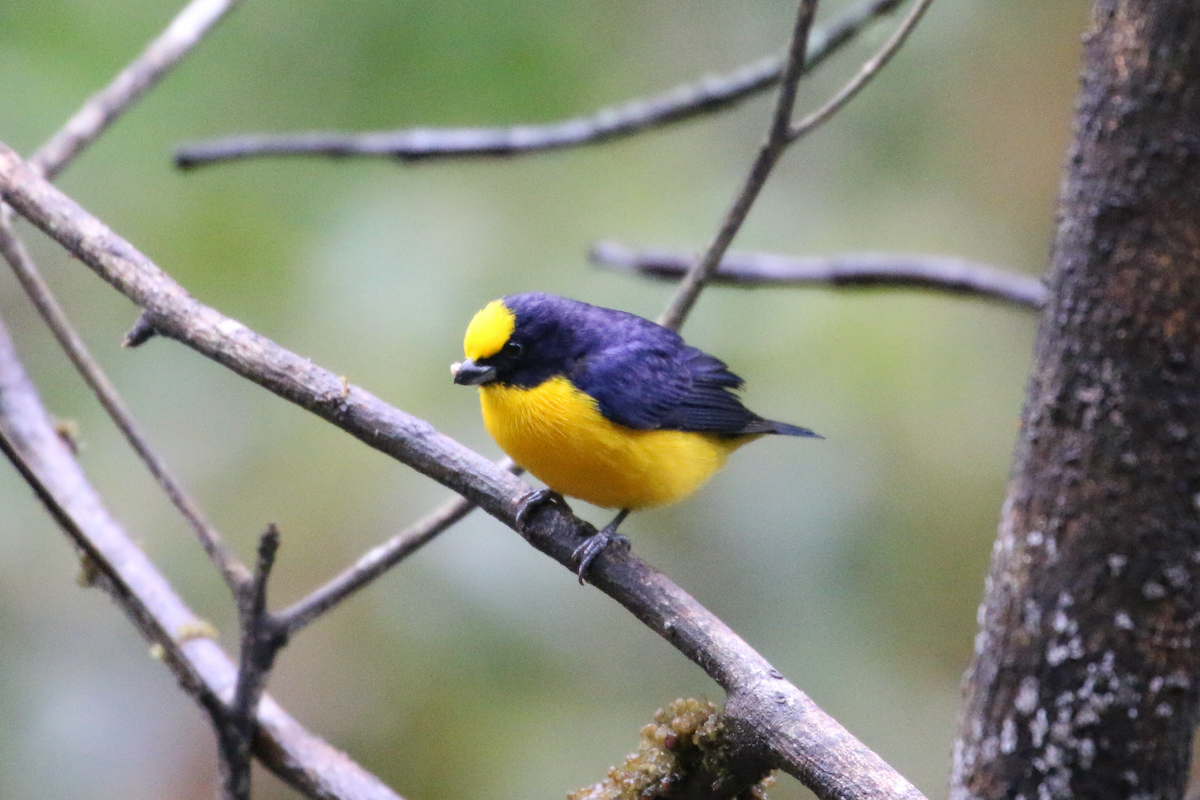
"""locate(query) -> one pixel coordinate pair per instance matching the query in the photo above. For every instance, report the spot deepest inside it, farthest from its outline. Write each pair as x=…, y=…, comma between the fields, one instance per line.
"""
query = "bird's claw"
x=593, y=546
x=531, y=500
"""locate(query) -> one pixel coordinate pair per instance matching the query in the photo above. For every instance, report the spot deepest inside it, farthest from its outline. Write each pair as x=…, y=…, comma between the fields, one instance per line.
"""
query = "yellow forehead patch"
x=488, y=331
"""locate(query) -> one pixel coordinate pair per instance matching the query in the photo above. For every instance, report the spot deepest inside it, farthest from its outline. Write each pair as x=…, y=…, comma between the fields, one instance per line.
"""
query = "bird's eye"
x=511, y=349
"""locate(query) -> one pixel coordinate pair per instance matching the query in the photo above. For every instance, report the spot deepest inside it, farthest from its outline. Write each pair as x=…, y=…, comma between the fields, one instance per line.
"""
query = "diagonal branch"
x=28, y=439
x=847, y=270
x=681, y=103
x=763, y=710
x=174, y=313
x=92, y=120
x=142, y=75
x=777, y=719
x=768, y=155
x=374, y=563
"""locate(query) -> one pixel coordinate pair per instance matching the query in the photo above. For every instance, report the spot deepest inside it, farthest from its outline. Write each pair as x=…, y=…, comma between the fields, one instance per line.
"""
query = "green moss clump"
x=681, y=754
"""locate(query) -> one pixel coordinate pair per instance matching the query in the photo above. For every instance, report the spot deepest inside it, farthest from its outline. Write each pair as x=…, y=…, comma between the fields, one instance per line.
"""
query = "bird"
x=603, y=405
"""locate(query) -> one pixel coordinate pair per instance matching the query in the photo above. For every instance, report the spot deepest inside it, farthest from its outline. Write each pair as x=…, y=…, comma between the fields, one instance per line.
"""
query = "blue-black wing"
x=641, y=374
x=651, y=380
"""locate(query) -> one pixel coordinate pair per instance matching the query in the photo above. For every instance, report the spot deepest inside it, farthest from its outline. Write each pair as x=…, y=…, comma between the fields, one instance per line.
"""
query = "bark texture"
x=1084, y=682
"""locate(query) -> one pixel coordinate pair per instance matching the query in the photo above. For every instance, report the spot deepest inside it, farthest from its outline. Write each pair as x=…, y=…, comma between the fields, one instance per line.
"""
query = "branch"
x=716, y=93
x=798, y=737
x=262, y=638
x=170, y=310
x=848, y=270
x=29, y=440
x=767, y=715
x=768, y=155
x=374, y=563
x=142, y=75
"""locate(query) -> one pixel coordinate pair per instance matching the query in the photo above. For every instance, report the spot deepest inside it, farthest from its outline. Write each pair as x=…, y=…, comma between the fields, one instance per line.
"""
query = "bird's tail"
x=771, y=426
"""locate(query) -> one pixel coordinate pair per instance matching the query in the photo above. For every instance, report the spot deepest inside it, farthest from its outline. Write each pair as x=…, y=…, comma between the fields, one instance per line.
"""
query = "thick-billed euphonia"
x=604, y=405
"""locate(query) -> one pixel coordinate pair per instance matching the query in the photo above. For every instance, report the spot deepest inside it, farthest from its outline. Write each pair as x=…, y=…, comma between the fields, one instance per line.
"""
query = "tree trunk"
x=1085, y=676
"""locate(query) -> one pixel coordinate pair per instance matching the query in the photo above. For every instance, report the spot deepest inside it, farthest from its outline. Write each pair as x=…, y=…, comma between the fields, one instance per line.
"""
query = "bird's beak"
x=468, y=373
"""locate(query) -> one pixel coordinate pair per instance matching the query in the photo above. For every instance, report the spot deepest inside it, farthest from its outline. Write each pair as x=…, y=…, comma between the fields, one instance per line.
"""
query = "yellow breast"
x=558, y=434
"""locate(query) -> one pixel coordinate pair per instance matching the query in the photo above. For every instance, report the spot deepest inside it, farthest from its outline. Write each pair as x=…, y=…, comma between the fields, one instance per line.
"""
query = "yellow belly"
x=558, y=434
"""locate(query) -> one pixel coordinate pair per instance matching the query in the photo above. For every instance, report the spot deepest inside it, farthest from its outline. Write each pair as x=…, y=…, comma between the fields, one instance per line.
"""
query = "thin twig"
x=29, y=441
x=797, y=736
x=232, y=570
x=868, y=71
x=143, y=74
x=262, y=638
x=379, y=560
x=374, y=563
x=847, y=270
x=770, y=152
x=688, y=101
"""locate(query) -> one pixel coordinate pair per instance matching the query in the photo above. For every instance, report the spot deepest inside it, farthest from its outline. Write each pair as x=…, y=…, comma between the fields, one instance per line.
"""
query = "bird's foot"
x=595, y=544
x=531, y=500
x=592, y=547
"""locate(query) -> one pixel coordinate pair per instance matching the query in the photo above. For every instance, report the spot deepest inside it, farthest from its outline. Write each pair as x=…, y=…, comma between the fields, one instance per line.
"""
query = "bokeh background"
x=479, y=668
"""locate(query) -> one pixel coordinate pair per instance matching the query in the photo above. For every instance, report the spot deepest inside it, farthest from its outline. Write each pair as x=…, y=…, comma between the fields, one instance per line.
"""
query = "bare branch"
x=28, y=439
x=847, y=270
x=768, y=155
x=712, y=94
x=792, y=732
x=103, y=108
x=868, y=71
x=232, y=570
x=374, y=563
x=381, y=558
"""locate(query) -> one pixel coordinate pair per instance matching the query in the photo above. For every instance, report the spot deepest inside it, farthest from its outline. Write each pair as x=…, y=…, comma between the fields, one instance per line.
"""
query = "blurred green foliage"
x=479, y=668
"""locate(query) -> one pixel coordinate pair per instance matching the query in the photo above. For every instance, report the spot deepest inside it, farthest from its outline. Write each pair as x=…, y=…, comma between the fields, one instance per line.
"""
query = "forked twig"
x=783, y=132
x=768, y=155
x=868, y=71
